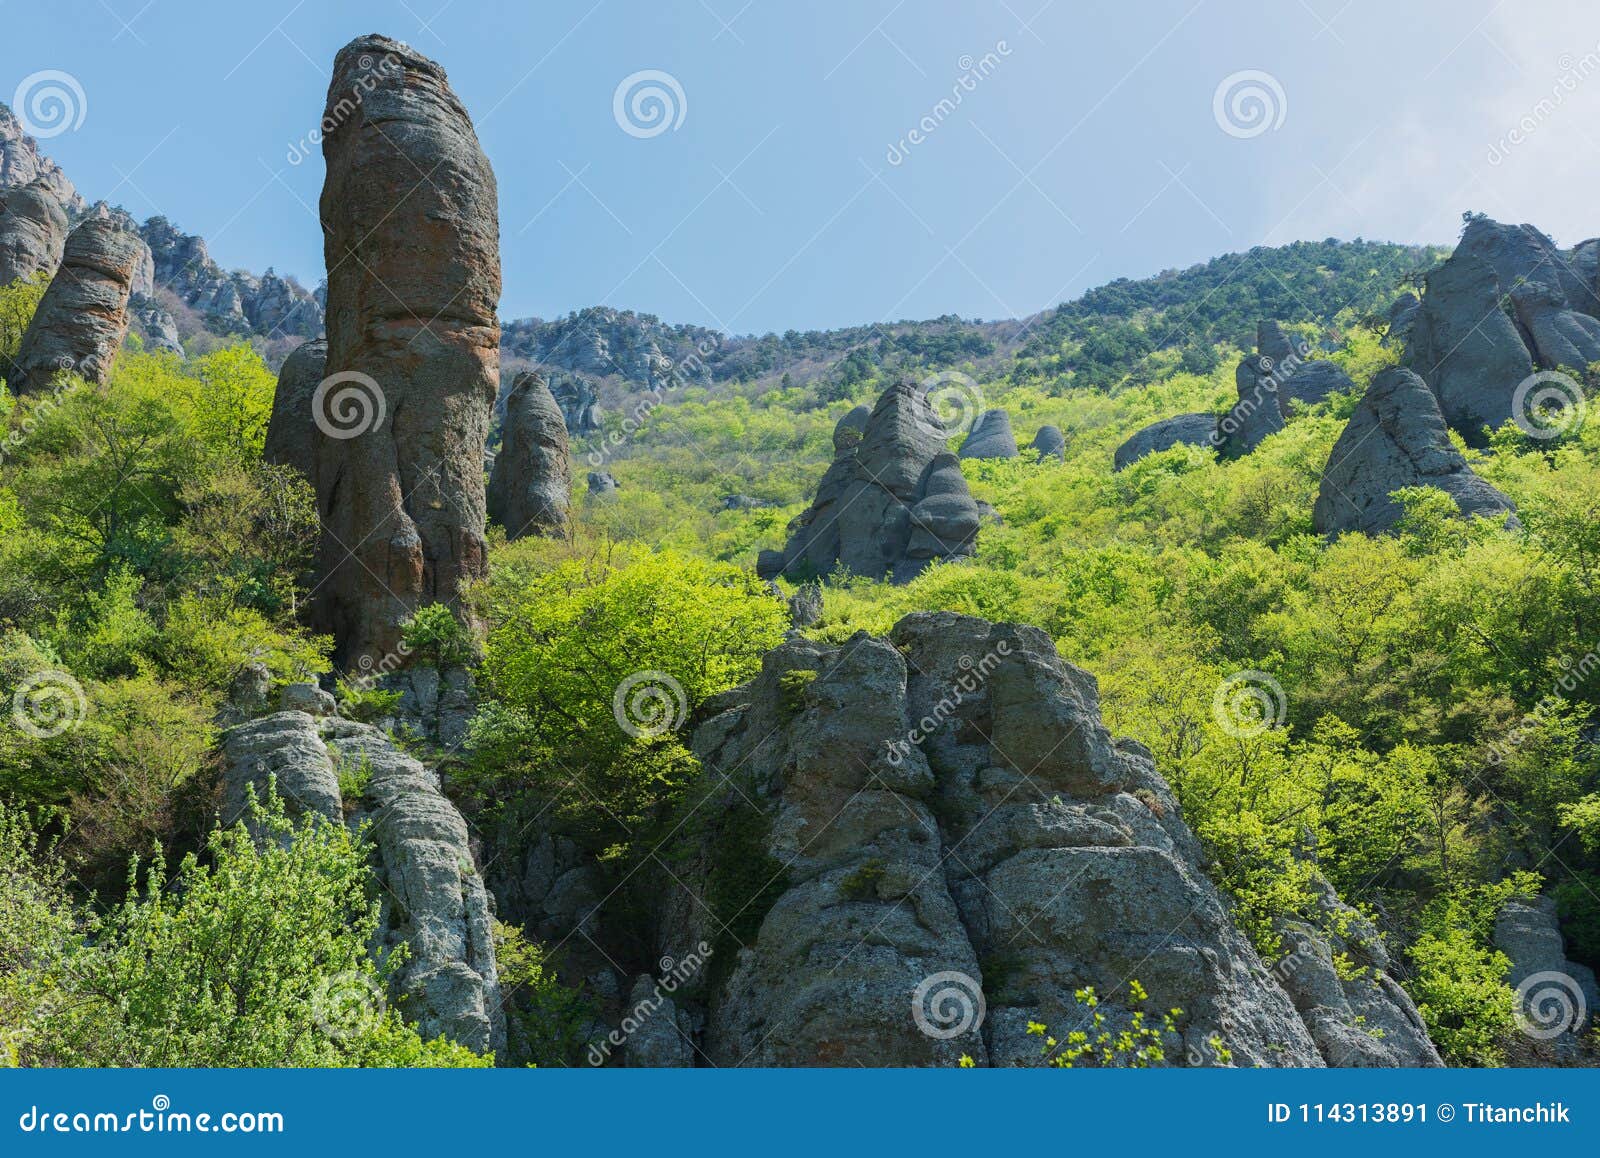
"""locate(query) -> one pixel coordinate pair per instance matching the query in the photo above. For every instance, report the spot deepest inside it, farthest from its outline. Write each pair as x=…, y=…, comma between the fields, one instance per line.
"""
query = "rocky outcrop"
x=1506, y=303
x=1188, y=429
x=601, y=342
x=602, y=484
x=1281, y=370
x=990, y=437
x=1050, y=443
x=578, y=403
x=532, y=480
x=1397, y=438
x=1336, y=971
x=155, y=325
x=432, y=898
x=891, y=503
x=83, y=316
x=21, y=164
x=229, y=303
x=411, y=226
x=292, y=431
x=952, y=845
x=33, y=230
x=1401, y=316
x=1558, y=999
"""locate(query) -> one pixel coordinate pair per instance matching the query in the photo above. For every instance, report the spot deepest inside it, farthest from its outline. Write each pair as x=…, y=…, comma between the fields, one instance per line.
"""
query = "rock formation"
x=990, y=437
x=22, y=164
x=576, y=398
x=1050, y=443
x=1189, y=429
x=1402, y=315
x=432, y=897
x=1278, y=372
x=411, y=226
x=532, y=480
x=1559, y=998
x=83, y=316
x=890, y=503
x=956, y=845
x=1506, y=303
x=33, y=230
x=1396, y=438
x=229, y=303
x=292, y=431
x=155, y=324
x=602, y=484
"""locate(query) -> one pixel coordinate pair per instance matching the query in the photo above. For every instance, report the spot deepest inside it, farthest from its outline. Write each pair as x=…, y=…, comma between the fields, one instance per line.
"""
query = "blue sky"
x=1090, y=147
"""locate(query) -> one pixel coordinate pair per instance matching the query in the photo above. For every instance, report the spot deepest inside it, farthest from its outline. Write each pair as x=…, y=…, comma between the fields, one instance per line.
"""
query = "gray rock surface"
x=1190, y=429
x=292, y=431
x=532, y=480
x=656, y=1040
x=411, y=237
x=952, y=821
x=33, y=230
x=83, y=316
x=1559, y=998
x=1559, y=336
x=306, y=697
x=1521, y=253
x=889, y=504
x=1050, y=443
x=1402, y=315
x=1337, y=974
x=579, y=404
x=1280, y=371
x=602, y=484
x=268, y=306
x=155, y=324
x=21, y=163
x=990, y=437
x=431, y=895
x=1397, y=438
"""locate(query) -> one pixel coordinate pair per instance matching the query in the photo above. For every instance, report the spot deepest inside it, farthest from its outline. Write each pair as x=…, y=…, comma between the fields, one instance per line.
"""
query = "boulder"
x=991, y=437
x=1050, y=443
x=1401, y=316
x=1397, y=438
x=83, y=316
x=33, y=230
x=579, y=407
x=890, y=504
x=292, y=431
x=1281, y=370
x=1189, y=429
x=286, y=749
x=1521, y=253
x=532, y=479
x=850, y=429
x=411, y=238
x=956, y=845
x=602, y=484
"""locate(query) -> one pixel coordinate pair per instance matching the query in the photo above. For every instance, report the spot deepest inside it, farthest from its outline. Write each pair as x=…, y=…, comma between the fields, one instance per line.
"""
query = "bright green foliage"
x=256, y=956
x=1134, y=1042
x=547, y=1022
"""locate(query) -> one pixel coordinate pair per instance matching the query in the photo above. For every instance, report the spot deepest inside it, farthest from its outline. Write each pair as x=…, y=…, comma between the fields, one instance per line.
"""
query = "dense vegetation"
x=1429, y=695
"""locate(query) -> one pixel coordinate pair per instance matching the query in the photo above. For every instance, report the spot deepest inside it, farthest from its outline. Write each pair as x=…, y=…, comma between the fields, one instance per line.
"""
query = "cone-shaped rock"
x=83, y=316
x=1396, y=438
x=532, y=480
x=33, y=229
x=411, y=226
x=991, y=437
x=1050, y=443
x=891, y=502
